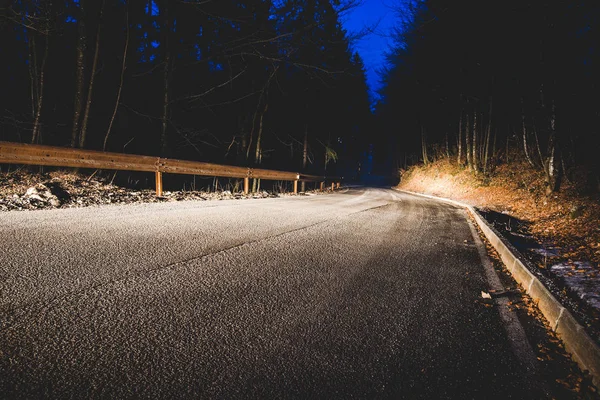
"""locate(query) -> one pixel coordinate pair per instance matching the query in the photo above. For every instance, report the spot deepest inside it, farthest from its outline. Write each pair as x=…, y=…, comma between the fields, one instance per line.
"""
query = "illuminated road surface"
x=363, y=293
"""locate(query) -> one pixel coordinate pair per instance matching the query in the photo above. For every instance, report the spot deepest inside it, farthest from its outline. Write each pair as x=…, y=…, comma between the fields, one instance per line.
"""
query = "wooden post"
x=295, y=187
x=337, y=185
x=246, y=185
x=322, y=185
x=159, y=185
x=332, y=186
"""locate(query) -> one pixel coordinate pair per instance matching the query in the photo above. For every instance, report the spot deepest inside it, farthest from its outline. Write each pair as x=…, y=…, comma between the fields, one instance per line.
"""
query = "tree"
x=238, y=81
x=449, y=61
x=80, y=50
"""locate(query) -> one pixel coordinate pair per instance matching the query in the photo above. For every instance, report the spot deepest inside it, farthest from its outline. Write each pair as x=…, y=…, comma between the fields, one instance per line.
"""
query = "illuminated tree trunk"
x=552, y=164
x=36, y=134
x=79, y=73
x=474, y=157
x=486, y=153
x=304, y=156
x=424, y=146
x=258, y=153
x=524, y=132
x=468, y=142
x=459, y=155
x=244, y=138
x=33, y=73
x=166, y=80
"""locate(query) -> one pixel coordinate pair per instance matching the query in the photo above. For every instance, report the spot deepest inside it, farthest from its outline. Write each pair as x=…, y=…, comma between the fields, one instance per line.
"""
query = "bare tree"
x=424, y=145
x=552, y=163
x=459, y=140
x=88, y=103
x=37, y=22
x=36, y=134
x=305, y=155
x=80, y=51
x=468, y=140
x=524, y=133
x=475, y=148
x=259, y=152
x=486, y=152
x=123, y=67
x=166, y=77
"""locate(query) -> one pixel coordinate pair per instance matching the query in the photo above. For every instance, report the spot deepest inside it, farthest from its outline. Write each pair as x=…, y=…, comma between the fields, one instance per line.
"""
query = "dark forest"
x=251, y=82
x=486, y=83
x=278, y=84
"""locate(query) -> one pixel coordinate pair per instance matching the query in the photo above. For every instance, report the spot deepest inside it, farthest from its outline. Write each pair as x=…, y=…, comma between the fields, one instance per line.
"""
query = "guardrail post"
x=295, y=187
x=246, y=185
x=159, y=186
x=322, y=186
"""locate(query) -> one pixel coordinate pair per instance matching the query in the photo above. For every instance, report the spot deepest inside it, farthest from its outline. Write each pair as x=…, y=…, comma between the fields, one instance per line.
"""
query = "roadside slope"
x=559, y=233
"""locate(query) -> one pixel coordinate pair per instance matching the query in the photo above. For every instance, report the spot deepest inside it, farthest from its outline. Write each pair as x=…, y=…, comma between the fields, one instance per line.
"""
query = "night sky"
x=372, y=47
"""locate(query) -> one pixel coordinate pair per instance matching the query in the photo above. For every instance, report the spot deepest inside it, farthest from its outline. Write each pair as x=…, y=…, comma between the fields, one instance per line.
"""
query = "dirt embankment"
x=567, y=219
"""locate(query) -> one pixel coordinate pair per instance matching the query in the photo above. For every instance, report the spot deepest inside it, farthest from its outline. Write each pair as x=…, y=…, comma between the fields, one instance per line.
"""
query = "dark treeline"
x=486, y=82
x=242, y=82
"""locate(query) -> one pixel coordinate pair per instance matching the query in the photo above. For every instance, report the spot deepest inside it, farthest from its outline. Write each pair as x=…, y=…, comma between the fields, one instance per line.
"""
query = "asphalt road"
x=366, y=293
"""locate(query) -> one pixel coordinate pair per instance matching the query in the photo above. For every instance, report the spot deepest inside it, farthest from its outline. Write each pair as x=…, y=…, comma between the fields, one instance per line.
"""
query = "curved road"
x=362, y=293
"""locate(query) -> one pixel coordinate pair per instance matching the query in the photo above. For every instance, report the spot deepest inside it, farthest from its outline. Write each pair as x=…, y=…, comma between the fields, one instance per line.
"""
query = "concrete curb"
x=577, y=342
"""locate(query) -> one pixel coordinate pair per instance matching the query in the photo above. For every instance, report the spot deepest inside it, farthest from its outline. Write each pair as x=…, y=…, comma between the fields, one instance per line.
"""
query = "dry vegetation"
x=566, y=219
x=24, y=190
x=567, y=222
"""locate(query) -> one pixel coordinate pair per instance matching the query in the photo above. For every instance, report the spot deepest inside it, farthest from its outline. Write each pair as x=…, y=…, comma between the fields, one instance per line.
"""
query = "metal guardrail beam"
x=30, y=154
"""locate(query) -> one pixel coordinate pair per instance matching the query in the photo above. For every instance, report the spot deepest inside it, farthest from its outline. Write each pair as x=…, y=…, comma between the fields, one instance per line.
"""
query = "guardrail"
x=30, y=154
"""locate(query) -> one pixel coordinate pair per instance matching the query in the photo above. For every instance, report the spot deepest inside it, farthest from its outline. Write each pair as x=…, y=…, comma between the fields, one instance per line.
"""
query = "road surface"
x=359, y=294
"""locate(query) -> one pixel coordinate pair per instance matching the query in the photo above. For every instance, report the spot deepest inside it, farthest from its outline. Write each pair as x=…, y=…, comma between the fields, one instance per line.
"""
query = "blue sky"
x=373, y=46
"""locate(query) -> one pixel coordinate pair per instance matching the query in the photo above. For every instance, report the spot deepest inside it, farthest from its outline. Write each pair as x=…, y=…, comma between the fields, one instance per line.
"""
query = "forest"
x=484, y=83
x=278, y=83
x=239, y=82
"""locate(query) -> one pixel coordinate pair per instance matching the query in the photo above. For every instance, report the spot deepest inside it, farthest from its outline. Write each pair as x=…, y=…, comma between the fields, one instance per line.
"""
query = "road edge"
x=584, y=351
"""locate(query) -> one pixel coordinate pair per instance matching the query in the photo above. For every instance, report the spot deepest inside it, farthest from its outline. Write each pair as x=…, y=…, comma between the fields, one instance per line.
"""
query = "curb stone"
x=583, y=349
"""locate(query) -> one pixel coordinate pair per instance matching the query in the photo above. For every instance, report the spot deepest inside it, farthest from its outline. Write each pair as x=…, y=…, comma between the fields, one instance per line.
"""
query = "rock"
x=62, y=195
x=576, y=211
x=41, y=195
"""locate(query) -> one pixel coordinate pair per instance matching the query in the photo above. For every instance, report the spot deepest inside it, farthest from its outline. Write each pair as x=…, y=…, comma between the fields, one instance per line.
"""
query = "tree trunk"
x=459, y=156
x=304, y=156
x=33, y=73
x=537, y=145
x=88, y=103
x=79, y=73
x=468, y=142
x=474, y=157
x=488, y=136
x=258, y=153
x=424, y=146
x=123, y=67
x=552, y=164
x=524, y=131
x=166, y=78
x=495, y=142
x=447, y=147
x=36, y=134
